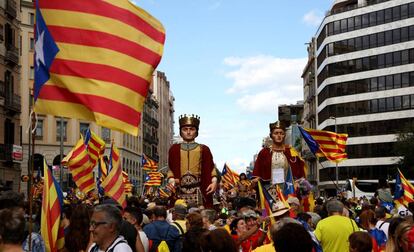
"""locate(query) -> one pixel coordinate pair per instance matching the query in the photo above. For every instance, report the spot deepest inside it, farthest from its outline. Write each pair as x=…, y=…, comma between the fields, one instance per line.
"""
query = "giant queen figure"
x=273, y=161
x=191, y=165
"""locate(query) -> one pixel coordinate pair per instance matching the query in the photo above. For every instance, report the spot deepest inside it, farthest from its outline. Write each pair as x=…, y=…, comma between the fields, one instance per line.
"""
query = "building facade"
x=10, y=103
x=163, y=95
x=365, y=83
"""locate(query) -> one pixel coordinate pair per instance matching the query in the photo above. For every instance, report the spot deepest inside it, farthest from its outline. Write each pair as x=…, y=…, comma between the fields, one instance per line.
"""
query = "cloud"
x=237, y=164
x=263, y=82
x=313, y=18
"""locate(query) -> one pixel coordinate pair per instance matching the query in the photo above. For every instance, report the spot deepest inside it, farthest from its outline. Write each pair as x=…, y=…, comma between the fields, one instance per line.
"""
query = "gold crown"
x=277, y=125
x=192, y=120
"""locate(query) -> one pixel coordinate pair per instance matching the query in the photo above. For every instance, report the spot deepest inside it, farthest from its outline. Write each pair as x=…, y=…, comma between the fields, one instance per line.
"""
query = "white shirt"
x=119, y=247
x=144, y=240
x=384, y=227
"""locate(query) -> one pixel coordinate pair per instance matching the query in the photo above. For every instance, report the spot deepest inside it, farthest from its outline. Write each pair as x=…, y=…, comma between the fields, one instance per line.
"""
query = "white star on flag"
x=40, y=57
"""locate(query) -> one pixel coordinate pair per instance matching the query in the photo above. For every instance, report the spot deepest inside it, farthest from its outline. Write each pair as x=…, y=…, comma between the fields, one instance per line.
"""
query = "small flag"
x=148, y=164
x=229, y=177
x=95, y=146
x=50, y=227
x=153, y=179
x=404, y=190
x=80, y=167
x=127, y=184
x=113, y=183
x=326, y=144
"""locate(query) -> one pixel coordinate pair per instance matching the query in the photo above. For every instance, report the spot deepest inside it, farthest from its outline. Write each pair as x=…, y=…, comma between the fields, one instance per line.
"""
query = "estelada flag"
x=94, y=60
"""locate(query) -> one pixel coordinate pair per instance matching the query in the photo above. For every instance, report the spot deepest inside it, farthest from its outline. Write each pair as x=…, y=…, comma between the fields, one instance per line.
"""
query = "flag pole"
x=32, y=137
x=61, y=153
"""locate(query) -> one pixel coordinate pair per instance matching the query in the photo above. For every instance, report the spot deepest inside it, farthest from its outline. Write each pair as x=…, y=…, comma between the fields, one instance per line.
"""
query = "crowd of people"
x=333, y=225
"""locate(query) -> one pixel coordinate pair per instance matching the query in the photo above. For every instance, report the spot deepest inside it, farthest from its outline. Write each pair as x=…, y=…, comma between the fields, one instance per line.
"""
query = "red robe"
x=263, y=164
x=207, y=166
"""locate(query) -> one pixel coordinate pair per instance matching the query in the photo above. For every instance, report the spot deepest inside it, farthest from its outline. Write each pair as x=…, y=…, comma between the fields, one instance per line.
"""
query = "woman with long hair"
x=77, y=237
x=218, y=240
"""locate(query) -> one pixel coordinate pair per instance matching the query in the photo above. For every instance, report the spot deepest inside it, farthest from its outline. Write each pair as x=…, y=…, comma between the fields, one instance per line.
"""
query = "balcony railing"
x=13, y=102
x=12, y=54
x=6, y=151
x=11, y=8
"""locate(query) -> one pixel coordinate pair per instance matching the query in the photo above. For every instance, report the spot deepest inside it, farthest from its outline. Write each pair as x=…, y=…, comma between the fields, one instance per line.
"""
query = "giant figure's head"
x=277, y=132
x=189, y=127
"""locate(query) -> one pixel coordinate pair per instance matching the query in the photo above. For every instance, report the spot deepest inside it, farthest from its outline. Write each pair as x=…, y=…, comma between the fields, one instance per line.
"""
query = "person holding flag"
x=273, y=162
x=191, y=165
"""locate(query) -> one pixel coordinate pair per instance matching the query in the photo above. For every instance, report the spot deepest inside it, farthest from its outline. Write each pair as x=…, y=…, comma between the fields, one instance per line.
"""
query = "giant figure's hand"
x=211, y=188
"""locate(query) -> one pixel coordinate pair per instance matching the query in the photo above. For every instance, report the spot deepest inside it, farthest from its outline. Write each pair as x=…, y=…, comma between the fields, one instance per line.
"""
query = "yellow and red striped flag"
x=127, y=184
x=229, y=177
x=94, y=60
x=148, y=164
x=50, y=226
x=95, y=145
x=113, y=184
x=80, y=167
x=153, y=179
x=326, y=144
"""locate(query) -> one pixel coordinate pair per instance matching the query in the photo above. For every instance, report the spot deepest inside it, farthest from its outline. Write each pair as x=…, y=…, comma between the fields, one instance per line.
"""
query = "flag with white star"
x=45, y=52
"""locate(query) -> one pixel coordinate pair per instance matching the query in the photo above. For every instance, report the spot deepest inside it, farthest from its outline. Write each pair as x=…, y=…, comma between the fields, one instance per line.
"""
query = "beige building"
x=163, y=94
x=10, y=130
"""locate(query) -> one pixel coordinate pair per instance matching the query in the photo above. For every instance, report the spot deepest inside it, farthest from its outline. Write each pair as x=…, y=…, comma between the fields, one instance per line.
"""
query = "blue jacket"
x=158, y=231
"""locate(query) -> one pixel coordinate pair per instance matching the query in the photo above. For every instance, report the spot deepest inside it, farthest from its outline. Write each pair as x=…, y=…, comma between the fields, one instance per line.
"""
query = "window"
x=32, y=43
x=351, y=24
x=337, y=27
x=404, y=34
x=397, y=103
x=397, y=58
x=380, y=39
x=388, y=37
x=388, y=82
x=380, y=17
x=365, y=42
x=406, y=101
x=381, y=83
x=404, y=11
x=396, y=36
x=374, y=106
x=390, y=103
x=381, y=61
x=381, y=105
x=388, y=60
x=397, y=80
x=388, y=15
x=405, y=80
x=31, y=18
x=357, y=22
x=59, y=129
x=83, y=128
x=31, y=74
x=374, y=84
x=372, y=18
x=344, y=26
x=106, y=135
x=396, y=13
x=373, y=40
x=365, y=20
x=39, y=130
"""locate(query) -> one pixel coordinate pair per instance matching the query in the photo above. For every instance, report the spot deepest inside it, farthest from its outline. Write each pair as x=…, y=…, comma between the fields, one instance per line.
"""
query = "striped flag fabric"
x=326, y=144
x=127, y=184
x=281, y=196
x=80, y=167
x=52, y=201
x=95, y=146
x=153, y=179
x=404, y=190
x=148, y=164
x=94, y=60
x=113, y=184
x=229, y=178
x=265, y=203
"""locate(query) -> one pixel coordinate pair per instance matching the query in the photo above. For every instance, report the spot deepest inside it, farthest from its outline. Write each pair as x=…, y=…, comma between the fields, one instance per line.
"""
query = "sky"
x=232, y=63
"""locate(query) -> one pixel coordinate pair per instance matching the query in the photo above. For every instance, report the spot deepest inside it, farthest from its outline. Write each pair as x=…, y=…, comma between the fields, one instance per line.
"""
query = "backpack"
x=162, y=246
x=96, y=247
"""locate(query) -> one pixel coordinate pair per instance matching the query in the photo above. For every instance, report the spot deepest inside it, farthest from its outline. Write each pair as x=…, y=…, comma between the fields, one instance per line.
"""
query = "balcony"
x=12, y=55
x=11, y=9
x=6, y=151
x=12, y=103
x=150, y=139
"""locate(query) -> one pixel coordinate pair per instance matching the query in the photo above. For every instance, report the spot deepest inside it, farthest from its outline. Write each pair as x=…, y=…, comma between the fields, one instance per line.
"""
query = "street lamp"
x=336, y=167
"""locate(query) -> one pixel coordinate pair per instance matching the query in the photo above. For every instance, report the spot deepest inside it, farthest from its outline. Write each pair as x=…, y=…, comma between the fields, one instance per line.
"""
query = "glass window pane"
x=358, y=21
x=374, y=84
x=411, y=32
x=388, y=15
x=404, y=11
x=373, y=18
x=344, y=26
x=381, y=83
x=396, y=13
x=390, y=103
x=404, y=34
x=411, y=10
x=397, y=102
x=380, y=17
x=405, y=80
x=388, y=60
x=381, y=105
x=397, y=58
x=388, y=37
x=365, y=42
x=396, y=36
x=405, y=101
x=351, y=24
x=388, y=82
x=404, y=57
x=337, y=27
x=381, y=61
x=373, y=40
x=365, y=20
x=374, y=106
x=397, y=80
